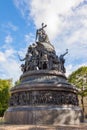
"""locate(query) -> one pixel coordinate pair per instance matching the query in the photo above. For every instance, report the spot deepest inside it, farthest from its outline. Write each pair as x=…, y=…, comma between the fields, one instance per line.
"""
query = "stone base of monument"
x=43, y=115
x=43, y=97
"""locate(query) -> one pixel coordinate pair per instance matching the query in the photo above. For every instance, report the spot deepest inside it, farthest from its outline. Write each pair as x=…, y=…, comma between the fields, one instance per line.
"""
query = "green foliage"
x=4, y=94
x=79, y=79
x=17, y=82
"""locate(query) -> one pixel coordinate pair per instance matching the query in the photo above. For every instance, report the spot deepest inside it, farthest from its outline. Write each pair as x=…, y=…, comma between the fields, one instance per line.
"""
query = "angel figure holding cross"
x=41, y=35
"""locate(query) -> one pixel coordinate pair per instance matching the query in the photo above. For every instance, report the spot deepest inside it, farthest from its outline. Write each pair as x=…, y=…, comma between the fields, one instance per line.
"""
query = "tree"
x=79, y=79
x=17, y=82
x=4, y=94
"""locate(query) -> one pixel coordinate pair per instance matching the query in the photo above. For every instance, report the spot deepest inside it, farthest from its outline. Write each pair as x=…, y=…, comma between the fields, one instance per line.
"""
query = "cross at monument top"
x=43, y=26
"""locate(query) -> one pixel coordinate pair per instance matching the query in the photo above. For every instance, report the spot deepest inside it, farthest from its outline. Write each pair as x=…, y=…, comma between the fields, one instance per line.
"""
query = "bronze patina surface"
x=44, y=95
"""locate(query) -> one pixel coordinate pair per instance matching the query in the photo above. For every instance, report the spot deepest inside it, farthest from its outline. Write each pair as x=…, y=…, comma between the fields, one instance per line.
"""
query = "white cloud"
x=8, y=39
x=9, y=65
x=9, y=26
x=10, y=69
x=67, y=25
x=12, y=26
x=29, y=38
x=23, y=6
x=48, y=11
x=2, y=57
x=70, y=68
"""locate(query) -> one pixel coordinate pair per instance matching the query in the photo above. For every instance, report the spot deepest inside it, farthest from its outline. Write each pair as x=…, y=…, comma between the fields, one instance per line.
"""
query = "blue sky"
x=66, y=27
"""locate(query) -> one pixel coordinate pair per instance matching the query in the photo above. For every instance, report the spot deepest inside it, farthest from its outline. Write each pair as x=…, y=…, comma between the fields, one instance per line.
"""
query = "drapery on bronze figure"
x=41, y=35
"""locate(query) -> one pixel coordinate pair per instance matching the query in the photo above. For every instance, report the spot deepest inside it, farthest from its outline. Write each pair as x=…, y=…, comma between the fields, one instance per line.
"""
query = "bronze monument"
x=44, y=95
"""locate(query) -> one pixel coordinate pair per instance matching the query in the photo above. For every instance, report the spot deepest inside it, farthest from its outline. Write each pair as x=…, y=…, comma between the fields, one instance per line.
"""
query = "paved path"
x=49, y=127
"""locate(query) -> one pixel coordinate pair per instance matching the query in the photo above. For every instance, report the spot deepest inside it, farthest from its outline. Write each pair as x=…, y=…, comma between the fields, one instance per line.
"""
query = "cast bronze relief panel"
x=43, y=98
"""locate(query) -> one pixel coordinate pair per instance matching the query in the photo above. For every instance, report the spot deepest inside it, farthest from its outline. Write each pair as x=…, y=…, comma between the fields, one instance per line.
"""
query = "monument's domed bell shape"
x=44, y=95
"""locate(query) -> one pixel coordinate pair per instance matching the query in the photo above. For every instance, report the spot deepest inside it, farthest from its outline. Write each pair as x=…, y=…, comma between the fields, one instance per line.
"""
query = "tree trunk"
x=82, y=102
